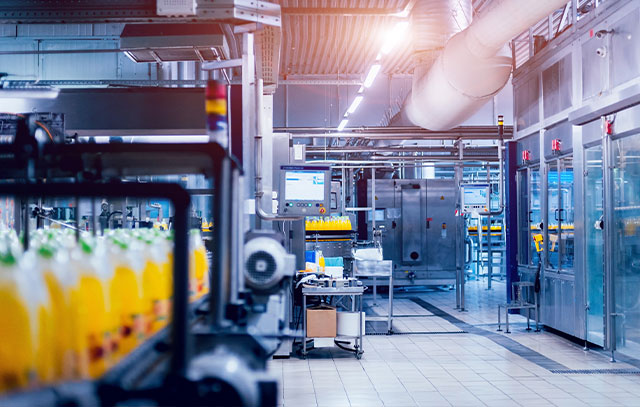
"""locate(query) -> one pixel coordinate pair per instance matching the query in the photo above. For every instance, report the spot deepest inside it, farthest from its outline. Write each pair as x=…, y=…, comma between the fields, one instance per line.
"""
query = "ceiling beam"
x=343, y=12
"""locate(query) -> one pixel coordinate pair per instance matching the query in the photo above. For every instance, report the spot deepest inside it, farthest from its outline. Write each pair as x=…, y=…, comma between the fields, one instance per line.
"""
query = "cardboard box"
x=321, y=322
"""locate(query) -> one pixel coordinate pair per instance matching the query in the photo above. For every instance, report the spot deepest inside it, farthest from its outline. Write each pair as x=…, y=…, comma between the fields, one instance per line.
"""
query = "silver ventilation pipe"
x=433, y=22
x=475, y=64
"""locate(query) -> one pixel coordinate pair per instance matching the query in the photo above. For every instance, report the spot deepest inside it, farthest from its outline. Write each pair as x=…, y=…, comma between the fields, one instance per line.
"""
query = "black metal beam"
x=68, y=11
x=128, y=11
x=123, y=111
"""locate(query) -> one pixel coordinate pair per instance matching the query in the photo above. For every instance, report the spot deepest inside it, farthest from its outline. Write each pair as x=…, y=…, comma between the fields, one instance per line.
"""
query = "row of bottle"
x=71, y=310
x=328, y=223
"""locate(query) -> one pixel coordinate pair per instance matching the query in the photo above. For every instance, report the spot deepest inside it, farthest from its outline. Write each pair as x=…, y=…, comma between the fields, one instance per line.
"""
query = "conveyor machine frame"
x=88, y=164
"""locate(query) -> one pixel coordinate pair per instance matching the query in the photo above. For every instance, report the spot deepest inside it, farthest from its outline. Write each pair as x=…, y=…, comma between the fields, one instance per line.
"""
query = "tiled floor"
x=461, y=369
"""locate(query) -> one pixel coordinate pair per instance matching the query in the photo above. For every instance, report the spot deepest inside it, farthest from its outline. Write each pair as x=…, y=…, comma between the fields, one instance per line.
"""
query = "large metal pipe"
x=475, y=64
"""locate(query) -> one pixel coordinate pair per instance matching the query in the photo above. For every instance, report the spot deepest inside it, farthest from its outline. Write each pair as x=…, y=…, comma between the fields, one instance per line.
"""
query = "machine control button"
x=322, y=211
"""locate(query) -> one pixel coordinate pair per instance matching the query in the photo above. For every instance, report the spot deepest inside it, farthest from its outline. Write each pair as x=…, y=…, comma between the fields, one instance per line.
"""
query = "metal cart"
x=354, y=292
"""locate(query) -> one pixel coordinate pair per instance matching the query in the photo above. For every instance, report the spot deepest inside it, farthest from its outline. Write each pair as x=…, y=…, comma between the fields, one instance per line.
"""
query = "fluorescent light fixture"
x=355, y=104
x=397, y=33
x=371, y=76
x=361, y=89
x=343, y=124
x=29, y=93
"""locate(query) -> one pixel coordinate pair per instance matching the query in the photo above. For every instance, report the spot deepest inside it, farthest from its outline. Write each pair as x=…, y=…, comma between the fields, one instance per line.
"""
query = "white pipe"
x=475, y=64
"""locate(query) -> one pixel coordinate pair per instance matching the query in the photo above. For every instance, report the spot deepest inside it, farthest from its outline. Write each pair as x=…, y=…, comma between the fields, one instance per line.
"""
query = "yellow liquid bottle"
x=154, y=291
x=202, y=267
x=17, y=360
x=89, y=303
x=126, y=304
x=59, y=296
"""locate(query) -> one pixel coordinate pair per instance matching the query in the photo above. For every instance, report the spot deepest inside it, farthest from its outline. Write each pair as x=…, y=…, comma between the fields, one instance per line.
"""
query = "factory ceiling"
x=341, y=38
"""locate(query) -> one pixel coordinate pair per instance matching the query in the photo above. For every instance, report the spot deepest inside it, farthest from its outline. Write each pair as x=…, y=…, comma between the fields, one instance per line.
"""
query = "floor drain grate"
x=597, y=371
x=418, y=333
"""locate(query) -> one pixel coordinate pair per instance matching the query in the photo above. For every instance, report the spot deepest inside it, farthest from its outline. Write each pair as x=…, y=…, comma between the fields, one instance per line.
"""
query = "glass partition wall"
x=626, y=243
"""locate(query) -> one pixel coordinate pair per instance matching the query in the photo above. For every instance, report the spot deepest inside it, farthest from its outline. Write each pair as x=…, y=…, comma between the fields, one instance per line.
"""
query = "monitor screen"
x=475, y=195
x=304, y=185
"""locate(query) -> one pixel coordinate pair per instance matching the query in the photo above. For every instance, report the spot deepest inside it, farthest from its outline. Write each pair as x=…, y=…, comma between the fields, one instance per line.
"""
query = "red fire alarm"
x=556, y=145
x=526, y=156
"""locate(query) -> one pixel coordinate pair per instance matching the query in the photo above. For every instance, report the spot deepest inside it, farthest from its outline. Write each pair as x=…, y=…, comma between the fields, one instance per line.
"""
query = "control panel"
x=476, y=198
x=305, y=190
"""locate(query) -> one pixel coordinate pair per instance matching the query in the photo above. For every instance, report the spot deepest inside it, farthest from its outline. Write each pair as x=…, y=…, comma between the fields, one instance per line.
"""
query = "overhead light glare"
x=361, y=90
x=371, y=76
x=343, y=124
x=397, y=33
x=354, y=105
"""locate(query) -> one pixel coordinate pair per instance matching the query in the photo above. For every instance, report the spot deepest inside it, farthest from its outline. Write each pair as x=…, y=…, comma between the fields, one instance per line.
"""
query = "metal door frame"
x=609, y=292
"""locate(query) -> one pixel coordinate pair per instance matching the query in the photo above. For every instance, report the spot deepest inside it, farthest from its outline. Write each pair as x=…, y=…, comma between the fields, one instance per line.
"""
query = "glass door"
x=594, y=212
x=523, y=217
x=560, y=215
x=626, y=243
x=535, y=212
x=566, y=213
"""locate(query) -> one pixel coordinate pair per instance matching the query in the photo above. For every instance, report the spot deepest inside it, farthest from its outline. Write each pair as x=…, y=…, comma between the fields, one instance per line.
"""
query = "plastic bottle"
x=166, y=243
x=125, y=295
x=17, y=347
x=198, y=267
x=321, y=262
x=154, y=294
x=89, y=304
x=53, y=265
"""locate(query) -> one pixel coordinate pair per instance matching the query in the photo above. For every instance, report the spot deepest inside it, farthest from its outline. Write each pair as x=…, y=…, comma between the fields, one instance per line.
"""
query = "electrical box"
x=305, y=190
x=176, y=7
x=476, y=198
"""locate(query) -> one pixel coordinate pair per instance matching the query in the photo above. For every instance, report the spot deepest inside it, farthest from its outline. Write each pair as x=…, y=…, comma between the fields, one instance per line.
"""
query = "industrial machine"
x=419, y=228
x=214, y=352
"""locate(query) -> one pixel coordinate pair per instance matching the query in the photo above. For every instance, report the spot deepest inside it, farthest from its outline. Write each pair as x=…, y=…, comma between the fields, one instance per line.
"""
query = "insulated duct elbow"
x=458, y=84
x=474, y=66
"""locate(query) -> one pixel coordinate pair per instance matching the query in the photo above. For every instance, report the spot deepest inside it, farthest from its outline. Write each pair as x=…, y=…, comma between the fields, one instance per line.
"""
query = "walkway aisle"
x=456, y=359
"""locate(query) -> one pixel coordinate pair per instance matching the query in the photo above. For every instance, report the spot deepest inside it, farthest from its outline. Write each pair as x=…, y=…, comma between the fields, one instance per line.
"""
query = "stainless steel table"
x=354, y=292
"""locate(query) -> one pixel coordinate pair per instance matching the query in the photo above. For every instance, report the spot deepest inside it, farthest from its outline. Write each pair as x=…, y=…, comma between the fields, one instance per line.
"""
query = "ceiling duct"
x=475, y=64
x=432, y=24
x=174, y=42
